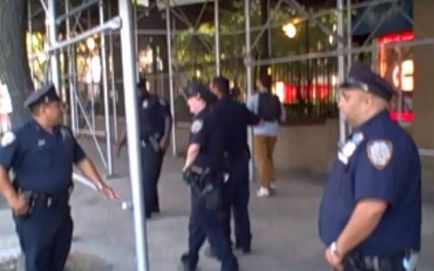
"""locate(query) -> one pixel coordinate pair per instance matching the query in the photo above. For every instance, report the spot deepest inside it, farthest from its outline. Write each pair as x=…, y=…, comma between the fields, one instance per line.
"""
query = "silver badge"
x=145, y=104
x=41, y=142
x=379, y=152
x=7, y=139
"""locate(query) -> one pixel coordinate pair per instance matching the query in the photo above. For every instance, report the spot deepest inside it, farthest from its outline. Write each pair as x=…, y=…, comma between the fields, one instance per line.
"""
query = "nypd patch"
x=162, y=102
x=379, y=152
x=7, y=139
x=196, y=126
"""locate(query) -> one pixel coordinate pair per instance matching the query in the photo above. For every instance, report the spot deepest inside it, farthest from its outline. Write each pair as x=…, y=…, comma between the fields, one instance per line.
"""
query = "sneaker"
x=273, y=186
x=263, y=192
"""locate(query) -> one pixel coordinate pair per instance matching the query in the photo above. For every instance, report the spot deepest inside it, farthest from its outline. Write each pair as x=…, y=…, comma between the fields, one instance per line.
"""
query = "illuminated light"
x=280, y=90
x=331, y=39
x=407, y=72
x=42, y=57
x=269, y=71
x=90, y=42
x=290, y=30
x=198, y=73
x=334, y=80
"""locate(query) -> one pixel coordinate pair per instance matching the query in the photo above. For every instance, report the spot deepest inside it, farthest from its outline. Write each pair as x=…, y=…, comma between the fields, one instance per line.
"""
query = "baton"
x=125, y=205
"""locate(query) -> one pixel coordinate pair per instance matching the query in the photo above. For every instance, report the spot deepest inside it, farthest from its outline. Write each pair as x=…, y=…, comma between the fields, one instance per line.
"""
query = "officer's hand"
x=19, y=204
x=333, y=260
x=108, y=192
x=164, y=143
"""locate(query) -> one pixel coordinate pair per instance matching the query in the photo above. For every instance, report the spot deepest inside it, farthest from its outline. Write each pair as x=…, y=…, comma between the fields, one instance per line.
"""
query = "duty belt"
x=397, y=261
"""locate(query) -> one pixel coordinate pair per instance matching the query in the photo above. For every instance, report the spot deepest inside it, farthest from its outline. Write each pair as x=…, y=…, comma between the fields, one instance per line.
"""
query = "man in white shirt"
x=271, y=111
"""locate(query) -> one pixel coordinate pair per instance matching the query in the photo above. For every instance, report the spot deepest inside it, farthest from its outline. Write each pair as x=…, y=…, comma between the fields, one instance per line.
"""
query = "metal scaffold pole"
x=341, y=66
x=217, y=37
x=108, y=131
x=54, y=63
x=132, y=128
x=249, y=78
x=171, y=83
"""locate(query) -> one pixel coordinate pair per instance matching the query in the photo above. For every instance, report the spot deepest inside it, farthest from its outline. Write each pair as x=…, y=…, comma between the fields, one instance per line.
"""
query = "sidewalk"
x=284, y=227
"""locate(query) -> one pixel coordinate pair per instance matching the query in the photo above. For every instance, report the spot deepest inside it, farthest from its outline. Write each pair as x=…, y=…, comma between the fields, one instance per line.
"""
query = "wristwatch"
x=334, y=250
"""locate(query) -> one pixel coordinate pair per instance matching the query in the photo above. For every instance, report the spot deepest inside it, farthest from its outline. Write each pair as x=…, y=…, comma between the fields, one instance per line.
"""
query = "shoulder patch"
x=196, y=126
x=379, y=152
x=7, y=139
x=162, y=102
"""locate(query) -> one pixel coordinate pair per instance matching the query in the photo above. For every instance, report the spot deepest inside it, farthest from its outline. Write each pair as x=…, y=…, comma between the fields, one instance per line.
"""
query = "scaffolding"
x=122, y=26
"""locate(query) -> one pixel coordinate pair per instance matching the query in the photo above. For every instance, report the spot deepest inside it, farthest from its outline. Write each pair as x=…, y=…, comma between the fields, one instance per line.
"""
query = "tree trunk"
x=14, y=65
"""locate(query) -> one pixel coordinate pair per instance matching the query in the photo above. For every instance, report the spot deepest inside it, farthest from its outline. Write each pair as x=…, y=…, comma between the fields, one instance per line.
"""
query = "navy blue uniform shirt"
x=42, y=162
x=235, y=117
x=380, y=161
x=206, y=131
x=152, y=115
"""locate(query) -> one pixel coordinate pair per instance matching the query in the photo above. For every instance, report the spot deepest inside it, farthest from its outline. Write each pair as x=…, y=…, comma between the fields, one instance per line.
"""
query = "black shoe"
x=244, y=250
x=186, y=263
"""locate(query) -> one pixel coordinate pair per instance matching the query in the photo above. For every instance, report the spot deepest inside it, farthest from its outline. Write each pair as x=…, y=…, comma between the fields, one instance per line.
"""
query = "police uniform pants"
x=263, y=150
x=45, y=236
x=236, y=201
x=204, y=223
x=152, y=161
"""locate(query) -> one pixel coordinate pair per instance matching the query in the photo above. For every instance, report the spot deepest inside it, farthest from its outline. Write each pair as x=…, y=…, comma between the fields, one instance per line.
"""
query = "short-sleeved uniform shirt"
x=152, y=116
x=206, y=131
x=379, y=161
x=42, y=162
x=235, y=117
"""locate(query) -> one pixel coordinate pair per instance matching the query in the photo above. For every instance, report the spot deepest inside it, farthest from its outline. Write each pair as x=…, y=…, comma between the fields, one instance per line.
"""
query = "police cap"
x=361, y=76
x=200, y=91
x=45, y=94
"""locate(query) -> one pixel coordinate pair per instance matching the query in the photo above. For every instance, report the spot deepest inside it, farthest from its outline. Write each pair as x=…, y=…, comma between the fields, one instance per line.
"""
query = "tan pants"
x=263, y=150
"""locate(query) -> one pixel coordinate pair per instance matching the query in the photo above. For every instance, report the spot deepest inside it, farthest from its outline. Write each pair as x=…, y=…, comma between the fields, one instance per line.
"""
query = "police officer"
x=235, y=118
x=41, y=154
x=203, y=172
x=370, y=213
x=155, y=122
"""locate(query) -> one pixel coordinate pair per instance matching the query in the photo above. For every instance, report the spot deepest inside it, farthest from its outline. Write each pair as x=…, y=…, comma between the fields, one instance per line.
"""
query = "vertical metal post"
x=217, y=37
x=136, y=40
x=249, y=78
x=270, y=44
x=171, y=83
x=349, y=34
x=132, y=128
x=112, y=83
x=341, y=66
x=55, y=72
x=71, y=74
x=108, y=131
x=30, y=27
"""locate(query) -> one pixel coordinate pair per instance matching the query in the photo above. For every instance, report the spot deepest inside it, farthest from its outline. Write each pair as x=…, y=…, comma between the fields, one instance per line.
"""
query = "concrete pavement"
x=284, y=227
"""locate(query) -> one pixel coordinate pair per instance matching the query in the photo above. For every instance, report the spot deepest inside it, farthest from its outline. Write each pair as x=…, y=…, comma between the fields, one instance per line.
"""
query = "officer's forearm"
x=6, y=188
x=167, y=126
x=87, y=167
x=365, y=217
x=192, y=152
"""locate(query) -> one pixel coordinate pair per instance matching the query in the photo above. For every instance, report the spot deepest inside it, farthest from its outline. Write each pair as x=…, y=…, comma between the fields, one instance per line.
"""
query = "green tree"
x=14, y=67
